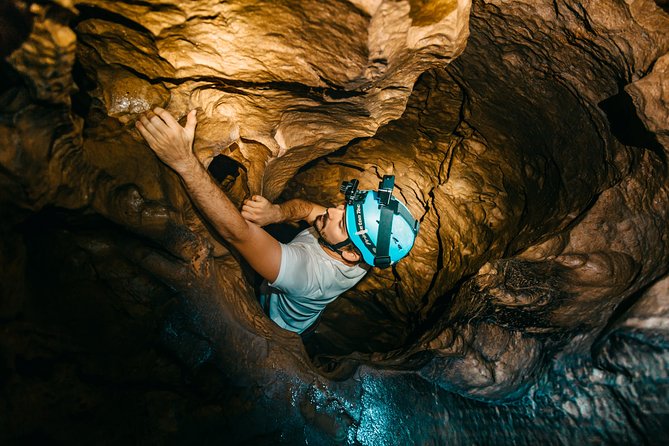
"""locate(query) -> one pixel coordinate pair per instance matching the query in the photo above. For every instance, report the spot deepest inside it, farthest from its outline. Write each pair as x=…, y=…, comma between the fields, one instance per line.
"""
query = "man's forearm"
x=214, y=203
x=297, y=209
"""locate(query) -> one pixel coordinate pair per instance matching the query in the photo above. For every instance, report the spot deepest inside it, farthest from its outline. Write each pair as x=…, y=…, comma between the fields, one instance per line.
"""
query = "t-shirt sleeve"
x=296, y=273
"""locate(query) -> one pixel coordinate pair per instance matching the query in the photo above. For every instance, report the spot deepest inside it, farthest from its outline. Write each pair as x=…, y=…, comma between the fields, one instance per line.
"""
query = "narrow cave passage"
x=528, y=138
x=517, y=162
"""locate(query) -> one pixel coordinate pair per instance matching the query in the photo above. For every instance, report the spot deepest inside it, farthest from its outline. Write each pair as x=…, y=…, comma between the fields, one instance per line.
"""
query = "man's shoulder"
x=308, y=235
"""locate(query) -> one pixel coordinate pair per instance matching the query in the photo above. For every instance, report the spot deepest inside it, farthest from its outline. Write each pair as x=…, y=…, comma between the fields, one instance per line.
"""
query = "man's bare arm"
x=173, y=145
x=261, y=211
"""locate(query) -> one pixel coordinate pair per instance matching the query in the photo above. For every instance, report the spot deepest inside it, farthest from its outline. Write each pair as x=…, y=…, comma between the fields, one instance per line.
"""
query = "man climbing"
x=301, y=277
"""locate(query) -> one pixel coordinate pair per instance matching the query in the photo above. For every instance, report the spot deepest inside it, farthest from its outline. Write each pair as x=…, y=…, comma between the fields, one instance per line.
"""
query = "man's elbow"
x=244, y=233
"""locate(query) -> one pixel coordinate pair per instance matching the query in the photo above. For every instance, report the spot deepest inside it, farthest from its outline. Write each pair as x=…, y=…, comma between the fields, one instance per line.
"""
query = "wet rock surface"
x=533, y=308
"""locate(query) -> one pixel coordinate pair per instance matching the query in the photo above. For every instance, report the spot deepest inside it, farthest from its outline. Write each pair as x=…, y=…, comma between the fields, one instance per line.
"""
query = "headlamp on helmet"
x=350, y=191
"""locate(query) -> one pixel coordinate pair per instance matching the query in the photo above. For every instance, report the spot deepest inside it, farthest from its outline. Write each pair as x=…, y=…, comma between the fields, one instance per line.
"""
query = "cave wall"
x=536, y=160
x=531, y=182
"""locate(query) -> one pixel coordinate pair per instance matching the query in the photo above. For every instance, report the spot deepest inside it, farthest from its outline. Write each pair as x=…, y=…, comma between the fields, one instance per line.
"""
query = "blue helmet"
x=379, y=225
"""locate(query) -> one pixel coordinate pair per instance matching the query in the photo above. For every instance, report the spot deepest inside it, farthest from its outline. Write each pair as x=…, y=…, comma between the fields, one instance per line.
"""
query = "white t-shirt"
x=309, y=279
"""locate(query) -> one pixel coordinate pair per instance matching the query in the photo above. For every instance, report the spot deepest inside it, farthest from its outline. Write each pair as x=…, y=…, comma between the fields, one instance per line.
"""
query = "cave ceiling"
x=530, y=139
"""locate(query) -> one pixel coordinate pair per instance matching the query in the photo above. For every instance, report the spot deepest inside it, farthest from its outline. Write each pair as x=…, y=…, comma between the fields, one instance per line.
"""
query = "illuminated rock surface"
x=535, y=158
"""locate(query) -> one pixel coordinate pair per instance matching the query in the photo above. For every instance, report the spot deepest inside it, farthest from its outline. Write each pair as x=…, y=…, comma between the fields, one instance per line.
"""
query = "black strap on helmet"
x=388, y=210
x=389, y=207
x=334, y=247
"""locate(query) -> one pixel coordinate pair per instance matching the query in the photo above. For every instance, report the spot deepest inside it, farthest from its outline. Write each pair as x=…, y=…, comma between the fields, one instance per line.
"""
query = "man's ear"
x=350, y=256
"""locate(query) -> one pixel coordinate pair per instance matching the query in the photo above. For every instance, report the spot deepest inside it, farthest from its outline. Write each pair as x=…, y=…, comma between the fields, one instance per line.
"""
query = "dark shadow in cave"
x=226, y=171
x=627, y=126
x=81, y=99
x=10, y=78
x=87, y=12
x=104, y=337
x=222, y=167
x=15, y=26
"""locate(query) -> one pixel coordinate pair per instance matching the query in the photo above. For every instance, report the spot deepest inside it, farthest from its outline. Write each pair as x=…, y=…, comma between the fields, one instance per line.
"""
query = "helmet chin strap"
x=337, y=247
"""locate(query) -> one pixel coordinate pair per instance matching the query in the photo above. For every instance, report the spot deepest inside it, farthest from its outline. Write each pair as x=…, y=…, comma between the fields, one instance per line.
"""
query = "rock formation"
x=529, y=137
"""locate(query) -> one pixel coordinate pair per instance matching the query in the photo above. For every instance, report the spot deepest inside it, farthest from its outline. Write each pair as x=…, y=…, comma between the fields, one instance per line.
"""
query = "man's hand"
x=172, y=143
x=261, y=211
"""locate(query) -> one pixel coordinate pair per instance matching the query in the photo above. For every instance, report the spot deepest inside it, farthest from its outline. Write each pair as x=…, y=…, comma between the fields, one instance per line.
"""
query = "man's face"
x=331, y=225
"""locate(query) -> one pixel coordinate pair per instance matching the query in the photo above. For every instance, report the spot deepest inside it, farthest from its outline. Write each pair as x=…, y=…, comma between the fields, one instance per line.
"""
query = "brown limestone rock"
x=46, y=58
x=295, y=79
x=543, y=220
x=516, y=180
x=651, y=99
